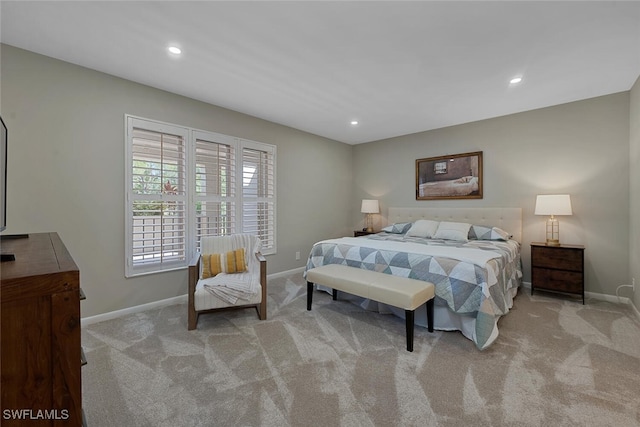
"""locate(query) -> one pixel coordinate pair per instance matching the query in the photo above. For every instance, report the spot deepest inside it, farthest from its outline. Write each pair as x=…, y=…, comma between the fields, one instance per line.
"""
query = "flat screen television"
x=3, y=187
x=3, y=175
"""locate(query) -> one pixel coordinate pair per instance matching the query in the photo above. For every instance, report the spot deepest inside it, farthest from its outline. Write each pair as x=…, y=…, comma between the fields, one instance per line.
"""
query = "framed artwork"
x=458, y=176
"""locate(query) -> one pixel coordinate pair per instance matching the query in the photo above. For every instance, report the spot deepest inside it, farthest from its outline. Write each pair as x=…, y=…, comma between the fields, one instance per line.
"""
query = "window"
x=440, y=167
x=183, y=184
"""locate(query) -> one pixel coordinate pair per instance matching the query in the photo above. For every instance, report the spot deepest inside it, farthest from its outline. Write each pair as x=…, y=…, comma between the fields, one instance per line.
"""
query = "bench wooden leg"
x=409, y=315
x=309, y=295
x=430, y=315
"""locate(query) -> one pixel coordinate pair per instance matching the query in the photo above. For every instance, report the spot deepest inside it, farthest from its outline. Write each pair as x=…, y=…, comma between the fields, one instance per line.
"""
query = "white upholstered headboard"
x=509, y=219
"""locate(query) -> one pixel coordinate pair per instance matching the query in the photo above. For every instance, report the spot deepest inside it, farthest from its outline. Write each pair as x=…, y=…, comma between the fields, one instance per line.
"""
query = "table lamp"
x=369, y=207
x=553, y=204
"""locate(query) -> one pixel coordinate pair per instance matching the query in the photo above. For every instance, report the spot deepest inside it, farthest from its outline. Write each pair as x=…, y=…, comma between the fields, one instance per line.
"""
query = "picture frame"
x=457, y=176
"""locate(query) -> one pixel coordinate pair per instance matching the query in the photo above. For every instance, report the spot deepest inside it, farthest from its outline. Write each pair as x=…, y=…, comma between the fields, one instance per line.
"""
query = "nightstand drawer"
x=558, y=280
x=563, y=259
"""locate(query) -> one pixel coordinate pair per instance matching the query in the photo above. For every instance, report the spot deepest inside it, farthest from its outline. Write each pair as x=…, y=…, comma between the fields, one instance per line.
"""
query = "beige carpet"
x=555, y=363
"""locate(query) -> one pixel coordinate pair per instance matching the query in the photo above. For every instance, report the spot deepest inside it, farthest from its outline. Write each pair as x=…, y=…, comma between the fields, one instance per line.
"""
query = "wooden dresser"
x=40, y=341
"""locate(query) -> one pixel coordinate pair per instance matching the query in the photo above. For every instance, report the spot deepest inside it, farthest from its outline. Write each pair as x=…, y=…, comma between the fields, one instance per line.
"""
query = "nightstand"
x=557, y=268
x=359, y=233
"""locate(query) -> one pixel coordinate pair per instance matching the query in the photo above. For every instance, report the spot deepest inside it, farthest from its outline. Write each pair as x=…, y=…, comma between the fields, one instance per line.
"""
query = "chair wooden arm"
x=194, y=275
x=262, y=311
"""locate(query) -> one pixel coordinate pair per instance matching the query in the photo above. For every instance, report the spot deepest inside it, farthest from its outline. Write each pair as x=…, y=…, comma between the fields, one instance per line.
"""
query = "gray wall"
x=634, y=143
x=66, y=171
x=579, y=148
x=67, y=157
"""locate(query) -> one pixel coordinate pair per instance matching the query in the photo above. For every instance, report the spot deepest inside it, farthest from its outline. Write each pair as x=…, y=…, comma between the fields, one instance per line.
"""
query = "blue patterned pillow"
x=399, y=228
x=482, y=232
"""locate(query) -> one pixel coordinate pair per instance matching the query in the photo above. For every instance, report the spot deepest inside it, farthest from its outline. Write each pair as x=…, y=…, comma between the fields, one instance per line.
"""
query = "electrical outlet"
x=297, y=255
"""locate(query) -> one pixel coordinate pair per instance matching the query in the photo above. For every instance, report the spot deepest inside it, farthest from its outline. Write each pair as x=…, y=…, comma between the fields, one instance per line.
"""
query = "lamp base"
x=553, y=232
x=368, y=223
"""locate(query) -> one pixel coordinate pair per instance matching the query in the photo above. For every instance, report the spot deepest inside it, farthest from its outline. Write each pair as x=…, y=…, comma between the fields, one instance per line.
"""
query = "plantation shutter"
x=157, y=198
x=215, y=186
x=258, y=193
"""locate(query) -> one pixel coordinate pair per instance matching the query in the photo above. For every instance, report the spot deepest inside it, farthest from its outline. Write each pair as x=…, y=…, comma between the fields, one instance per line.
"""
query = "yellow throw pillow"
x=215, y=264
x=234, y=262
x=230, y=262
x=206, y=266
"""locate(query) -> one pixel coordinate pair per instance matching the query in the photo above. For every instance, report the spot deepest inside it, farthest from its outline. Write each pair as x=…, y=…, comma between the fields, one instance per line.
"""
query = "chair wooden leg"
x=262, y=309
x=192, y=319
x=194, y=272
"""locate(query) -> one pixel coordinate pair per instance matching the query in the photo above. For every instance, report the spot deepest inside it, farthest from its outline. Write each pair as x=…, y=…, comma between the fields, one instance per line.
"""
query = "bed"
x=476, y=281
x=457, y=187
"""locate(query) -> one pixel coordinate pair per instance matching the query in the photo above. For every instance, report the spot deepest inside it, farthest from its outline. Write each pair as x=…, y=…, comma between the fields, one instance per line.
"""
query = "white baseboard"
x=183, y=298
x=131, y=310
x=634, y=308
x=603, y=297
x=163, y=303
x=298, y=270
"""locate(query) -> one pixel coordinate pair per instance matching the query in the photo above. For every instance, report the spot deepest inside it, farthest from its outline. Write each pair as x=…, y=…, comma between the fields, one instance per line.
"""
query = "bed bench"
x=400, y=292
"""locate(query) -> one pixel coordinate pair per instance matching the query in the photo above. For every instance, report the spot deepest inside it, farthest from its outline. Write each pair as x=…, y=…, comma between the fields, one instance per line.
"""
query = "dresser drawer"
x=558, y=280
x=557, y=258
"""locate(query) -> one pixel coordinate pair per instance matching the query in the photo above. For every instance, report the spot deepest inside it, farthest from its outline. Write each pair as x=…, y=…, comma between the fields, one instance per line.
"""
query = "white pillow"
x=423, y=228
x=458, y=231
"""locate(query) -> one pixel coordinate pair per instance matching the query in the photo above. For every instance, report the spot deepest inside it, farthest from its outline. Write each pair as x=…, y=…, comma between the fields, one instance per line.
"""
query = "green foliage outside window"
x=150, y=179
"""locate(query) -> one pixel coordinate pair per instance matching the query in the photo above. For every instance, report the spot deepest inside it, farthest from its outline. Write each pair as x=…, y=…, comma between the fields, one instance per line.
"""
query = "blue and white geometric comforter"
x=471, y=278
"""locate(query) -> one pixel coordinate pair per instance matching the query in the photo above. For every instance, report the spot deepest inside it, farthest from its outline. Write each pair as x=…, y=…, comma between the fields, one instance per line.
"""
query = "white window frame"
x=190, y=136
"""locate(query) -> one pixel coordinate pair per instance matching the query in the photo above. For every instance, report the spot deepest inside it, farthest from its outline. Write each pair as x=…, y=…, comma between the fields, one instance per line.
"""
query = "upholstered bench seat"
x=400, y=292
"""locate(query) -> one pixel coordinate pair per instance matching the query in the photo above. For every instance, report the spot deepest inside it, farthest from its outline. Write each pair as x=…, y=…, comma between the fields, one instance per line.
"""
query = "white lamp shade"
x=553, y=204
x=370, y=206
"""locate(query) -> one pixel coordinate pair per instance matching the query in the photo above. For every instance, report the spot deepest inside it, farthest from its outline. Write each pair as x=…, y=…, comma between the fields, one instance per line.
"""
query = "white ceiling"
x=397, y=67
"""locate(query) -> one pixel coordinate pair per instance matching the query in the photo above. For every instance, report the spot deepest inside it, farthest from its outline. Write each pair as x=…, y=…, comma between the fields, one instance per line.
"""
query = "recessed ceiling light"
x=515, y=80
x=175, y=50
x=354, y=122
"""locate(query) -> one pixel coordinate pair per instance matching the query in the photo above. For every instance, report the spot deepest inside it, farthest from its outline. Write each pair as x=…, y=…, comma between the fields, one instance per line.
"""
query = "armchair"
x=226, y=291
